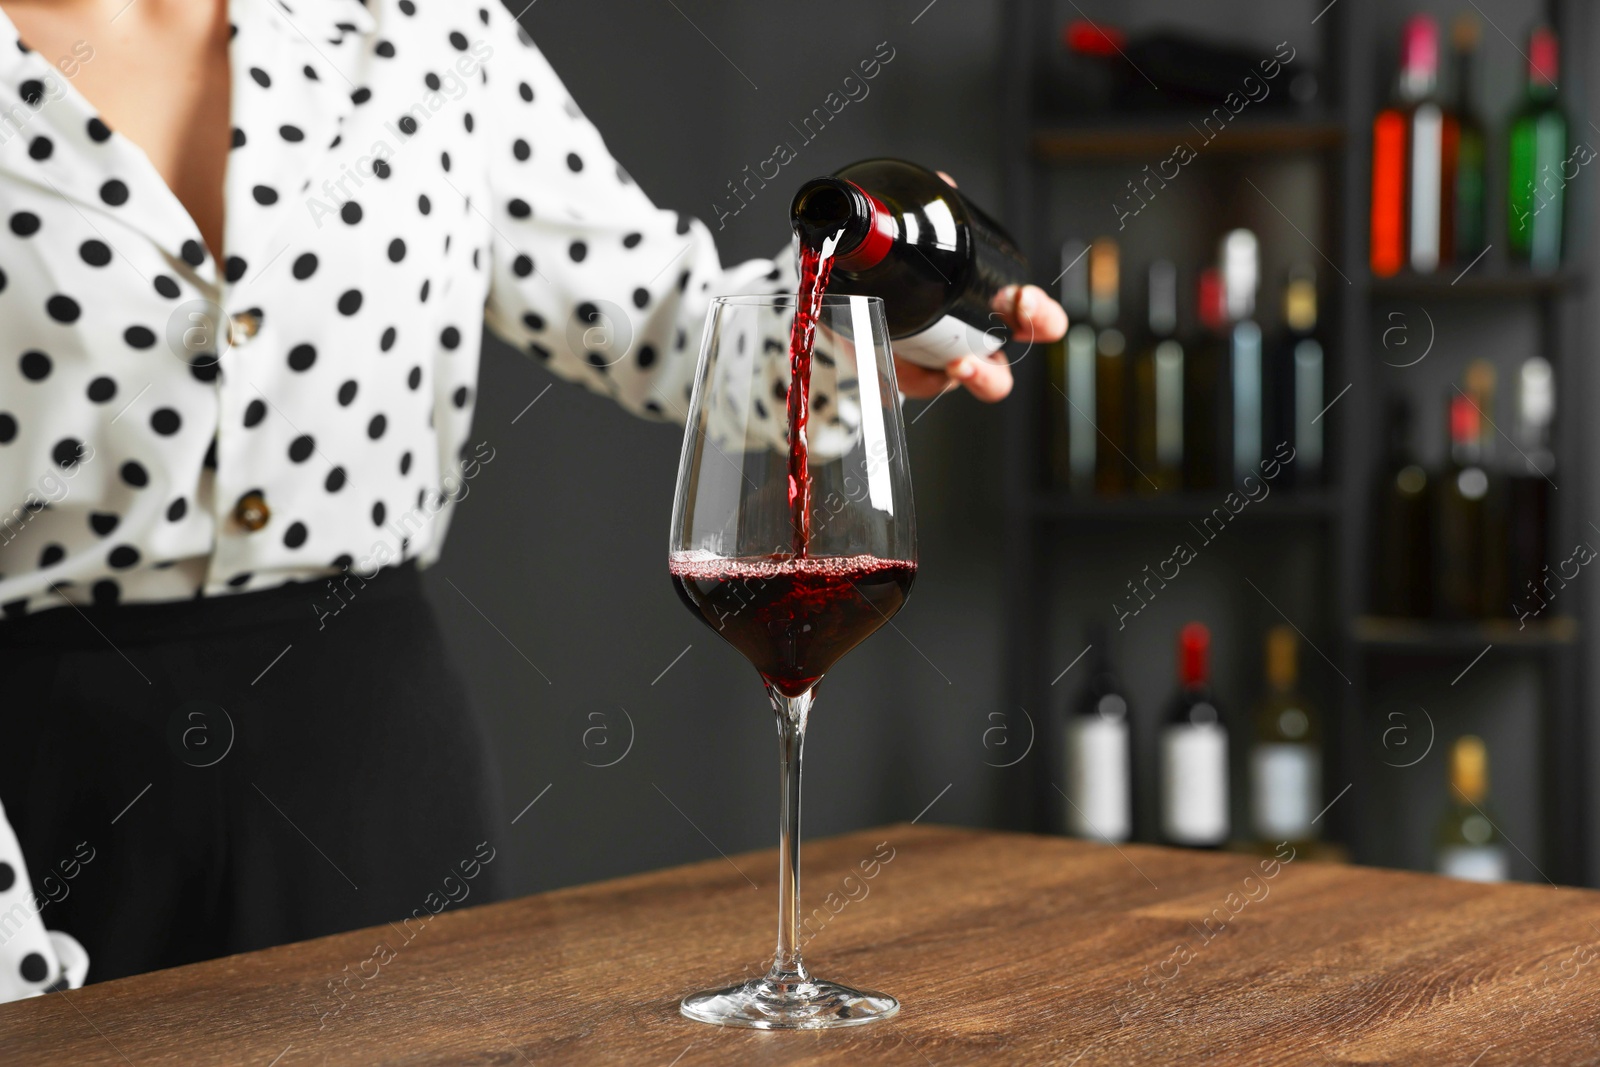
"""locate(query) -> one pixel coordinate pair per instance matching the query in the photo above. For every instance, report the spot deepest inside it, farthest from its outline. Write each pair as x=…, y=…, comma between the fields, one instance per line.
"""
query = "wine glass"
x=793, y=571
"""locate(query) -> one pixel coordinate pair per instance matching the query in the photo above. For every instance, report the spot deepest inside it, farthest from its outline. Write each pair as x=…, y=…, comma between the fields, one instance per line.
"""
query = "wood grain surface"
x=1003, y=948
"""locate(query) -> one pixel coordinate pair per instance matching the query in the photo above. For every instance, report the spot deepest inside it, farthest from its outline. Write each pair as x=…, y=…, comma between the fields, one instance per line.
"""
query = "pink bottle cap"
x=1419, y=47
x=1543, y=62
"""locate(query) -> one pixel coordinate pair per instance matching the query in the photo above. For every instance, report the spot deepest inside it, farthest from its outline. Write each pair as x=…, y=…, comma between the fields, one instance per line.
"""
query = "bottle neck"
x=827, y=209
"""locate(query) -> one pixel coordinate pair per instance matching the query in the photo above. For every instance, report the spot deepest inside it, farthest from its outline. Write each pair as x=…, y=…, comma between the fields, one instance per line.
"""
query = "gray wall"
x=562, y=543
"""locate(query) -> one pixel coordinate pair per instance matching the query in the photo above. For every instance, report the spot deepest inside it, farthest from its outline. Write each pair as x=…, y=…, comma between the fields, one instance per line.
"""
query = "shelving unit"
x=1331, y=525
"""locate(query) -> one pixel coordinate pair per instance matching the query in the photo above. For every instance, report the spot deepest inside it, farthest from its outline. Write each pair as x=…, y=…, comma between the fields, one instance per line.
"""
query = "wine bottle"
x=1295, y=380
x=1194, y=752
x=1286, y=759
x=1469, y=845
x=1528, y=489
x=1461, y=533
x=1409, y=138
x=1402, y=553
x=1203, y=379
x=1071, y=364
x=1098, y=761
x=1538, y=147
x=905, y=234
x=1240, y=276
x=1470, y=209
x=1110, y=370
x=1158, y=388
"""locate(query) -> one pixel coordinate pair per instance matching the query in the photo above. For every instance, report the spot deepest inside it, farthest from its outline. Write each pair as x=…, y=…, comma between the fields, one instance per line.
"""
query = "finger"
x=918, y=382
x=1030, y=313
x=988, y=380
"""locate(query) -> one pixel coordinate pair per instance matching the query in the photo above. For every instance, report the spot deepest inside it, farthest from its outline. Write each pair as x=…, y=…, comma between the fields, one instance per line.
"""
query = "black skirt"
x=244, y=771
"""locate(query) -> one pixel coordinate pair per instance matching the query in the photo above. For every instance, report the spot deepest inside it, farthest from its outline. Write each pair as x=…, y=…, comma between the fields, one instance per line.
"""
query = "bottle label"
x=946, y=340
x=1098, y=801
x=1286, y=785
x=1427, y=158
x=1475, y=863
x=1194, y=784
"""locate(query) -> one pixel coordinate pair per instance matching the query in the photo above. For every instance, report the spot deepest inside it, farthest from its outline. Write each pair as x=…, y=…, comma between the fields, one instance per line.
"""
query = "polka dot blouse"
x=402, y=174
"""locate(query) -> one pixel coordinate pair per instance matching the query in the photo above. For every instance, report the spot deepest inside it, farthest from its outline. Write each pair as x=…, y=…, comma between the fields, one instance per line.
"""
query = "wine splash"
x=816, y=264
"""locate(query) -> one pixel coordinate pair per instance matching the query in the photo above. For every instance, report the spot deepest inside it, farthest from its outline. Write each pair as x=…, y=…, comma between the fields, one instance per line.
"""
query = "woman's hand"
x=1028, y=313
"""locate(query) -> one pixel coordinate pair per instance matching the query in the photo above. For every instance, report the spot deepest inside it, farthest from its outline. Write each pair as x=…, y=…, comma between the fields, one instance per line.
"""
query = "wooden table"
x=1003, y=948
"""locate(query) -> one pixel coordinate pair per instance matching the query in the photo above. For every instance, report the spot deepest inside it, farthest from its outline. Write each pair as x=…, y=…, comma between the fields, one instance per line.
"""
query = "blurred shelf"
x=1280, y=504
x=1422, y=635
x=1478, y=283
x=1129, y=136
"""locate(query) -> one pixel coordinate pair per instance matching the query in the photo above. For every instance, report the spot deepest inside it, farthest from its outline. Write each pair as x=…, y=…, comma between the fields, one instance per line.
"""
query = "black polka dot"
x=265, y=195
x=210, y=460
x=350, y=301
x=519, y=208
x=34, y=968
x=166, y=287
x=262, y=78
x=381, y=168
x=301, y=447
x=134, y=474
x=292, y=134
x=351, y=212
x=122, y=557
x=525, y=91
x=98, y=130
x=405, y=463
x=462, y=395
x=647, y=356
x=51, y=555
x=378, y=513
x=335, y=480
x=106, y=592
x=67, y=452
x=24, y=224
x=574, y=162
x=376, y=427
x=683, y=225
x=361, y=96
x=95, y=253
x=8, y=428
x=240, y=579
x=205, y=367
x=35, y=366
x=103, y=522
x=422, y=294
x=577, y=250
x=165, y=421
x=407, y=125
x=397, y=250
x=32, y=92
x=40, y=148
x=63, y=308
x=139, y=336
x=254, y=413
x=302, y=356
x=102, y=389
x=305, y=266
x=407, y=7
x=311, y=73
x=431, y=80
x=520, y=149
x=533, y=320
x=238, y=137
x=641, y=297
x=114, y=192
x=235, y=268
x=458, y=39
x=177, y=509
x=414, y=379
x=450, y=337
x=386, y=342
x=295, y=535
x=193, y=253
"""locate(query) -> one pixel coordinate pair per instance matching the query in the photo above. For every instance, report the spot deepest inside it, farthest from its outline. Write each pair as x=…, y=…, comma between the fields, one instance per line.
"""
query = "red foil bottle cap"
x=877, y=242
x=1419, y=47
x=1543, y=61
x=1194, y=655
x=1213, y=308
x=1463, y=420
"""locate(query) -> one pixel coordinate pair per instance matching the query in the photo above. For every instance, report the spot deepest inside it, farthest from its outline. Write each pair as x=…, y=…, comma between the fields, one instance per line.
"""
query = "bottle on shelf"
x=1469, y=846
x=1528, y=484
x=1402, y=569
x=1468, y=571
x=1286, y=757
x=1535, y=182
x=1295, y=381
x=1110, y=370
x=1203, y=379
x=907, y=235
x=1470, y=220
x=1071, y=395
x=1410, y=179
x=1194, y=752
x=1098, y=754
x=1158, y=389
x=1241, y=268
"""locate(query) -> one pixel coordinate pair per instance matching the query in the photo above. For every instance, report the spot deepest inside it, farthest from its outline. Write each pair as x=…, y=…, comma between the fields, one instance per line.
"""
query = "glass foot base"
x=765, y=1004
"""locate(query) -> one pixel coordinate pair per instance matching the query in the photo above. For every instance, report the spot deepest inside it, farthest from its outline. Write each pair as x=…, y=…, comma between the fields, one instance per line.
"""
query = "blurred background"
x=1396, y=560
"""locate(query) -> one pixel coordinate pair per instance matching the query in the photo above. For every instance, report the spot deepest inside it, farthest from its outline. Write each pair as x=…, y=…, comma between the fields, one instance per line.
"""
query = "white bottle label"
x=949, y=339
x=1098, y=801
x=1194, y=784
x=1286, y=784
x=1427, y=153
x=1475, y=863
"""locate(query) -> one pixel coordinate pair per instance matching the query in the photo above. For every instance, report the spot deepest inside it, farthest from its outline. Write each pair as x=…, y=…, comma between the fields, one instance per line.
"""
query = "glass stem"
x=792, y=712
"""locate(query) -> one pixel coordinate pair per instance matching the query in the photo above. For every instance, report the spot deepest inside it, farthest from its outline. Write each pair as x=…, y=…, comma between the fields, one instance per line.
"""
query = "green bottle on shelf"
x=1538, y=168
x=1469, y=203
x=1469, y=846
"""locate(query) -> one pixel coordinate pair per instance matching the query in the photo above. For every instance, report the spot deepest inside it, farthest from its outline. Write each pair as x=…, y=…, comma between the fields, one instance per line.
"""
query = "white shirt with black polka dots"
x=400, y=175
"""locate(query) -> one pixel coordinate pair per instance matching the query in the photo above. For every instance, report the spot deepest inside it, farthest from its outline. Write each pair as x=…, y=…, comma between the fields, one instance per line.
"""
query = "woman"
x=250, y=251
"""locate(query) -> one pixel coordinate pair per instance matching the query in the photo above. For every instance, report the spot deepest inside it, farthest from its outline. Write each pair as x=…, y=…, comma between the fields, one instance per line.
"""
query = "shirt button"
x=252, y=512
x=242, y=327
